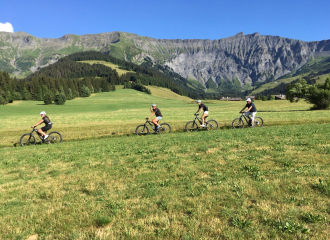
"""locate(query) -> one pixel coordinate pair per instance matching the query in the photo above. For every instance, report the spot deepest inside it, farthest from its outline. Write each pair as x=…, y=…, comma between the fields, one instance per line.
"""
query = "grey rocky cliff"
x=249, y=58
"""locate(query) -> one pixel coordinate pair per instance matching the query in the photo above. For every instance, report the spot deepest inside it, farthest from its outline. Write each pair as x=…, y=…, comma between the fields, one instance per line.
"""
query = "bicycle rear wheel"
x=191, y=126
x=54, y=137
x=164, y=128
x=238, y=123
x=258, y=122
x=27, y=140
x=142, y=130
x=211, y=125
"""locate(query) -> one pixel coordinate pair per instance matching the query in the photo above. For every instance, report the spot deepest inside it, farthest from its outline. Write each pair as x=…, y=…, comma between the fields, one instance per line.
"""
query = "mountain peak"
x=243, y=58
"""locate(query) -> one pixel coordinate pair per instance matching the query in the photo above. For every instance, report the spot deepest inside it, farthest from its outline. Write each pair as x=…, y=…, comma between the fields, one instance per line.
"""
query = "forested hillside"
x=71, y=78
x=146, y=74
x=45, y=88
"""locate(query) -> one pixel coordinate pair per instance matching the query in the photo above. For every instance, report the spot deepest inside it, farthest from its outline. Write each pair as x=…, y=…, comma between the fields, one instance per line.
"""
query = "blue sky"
x=208, y=19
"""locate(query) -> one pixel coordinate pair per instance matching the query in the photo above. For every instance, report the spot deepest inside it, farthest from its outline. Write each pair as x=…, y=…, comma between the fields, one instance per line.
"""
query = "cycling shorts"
x=46, y=127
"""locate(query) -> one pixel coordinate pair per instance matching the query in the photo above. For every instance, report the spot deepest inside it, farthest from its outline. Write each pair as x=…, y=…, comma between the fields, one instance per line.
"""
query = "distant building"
x=252, y=97
x=280, y=97
x=230, y=99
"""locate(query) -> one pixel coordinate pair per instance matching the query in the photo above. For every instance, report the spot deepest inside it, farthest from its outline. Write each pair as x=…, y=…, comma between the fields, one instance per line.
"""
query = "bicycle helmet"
x=198, y=101
x=153, y=105
x=43, y=112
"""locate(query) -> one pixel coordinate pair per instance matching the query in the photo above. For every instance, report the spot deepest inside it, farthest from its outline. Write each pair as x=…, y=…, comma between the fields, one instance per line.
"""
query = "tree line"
x=49, y=89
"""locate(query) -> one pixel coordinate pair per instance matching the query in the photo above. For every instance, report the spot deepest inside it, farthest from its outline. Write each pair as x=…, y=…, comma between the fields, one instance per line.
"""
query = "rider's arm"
x=248, y=109
x=243, y=109
x=41, y=121
x=151, y=115
x=199, y=110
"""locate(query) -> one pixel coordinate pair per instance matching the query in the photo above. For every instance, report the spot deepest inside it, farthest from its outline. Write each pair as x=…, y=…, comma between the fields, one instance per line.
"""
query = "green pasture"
x=118, y=113
x=108, y=64
x=264, y=183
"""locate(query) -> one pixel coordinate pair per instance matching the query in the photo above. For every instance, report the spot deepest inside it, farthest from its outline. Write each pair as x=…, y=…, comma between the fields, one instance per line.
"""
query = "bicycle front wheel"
x=258, y=122
x=27, y=140
x=142, y=130
x=164, y=128
x=54, y=137
x=191, y=126
x=212, y=125
x=238, y=123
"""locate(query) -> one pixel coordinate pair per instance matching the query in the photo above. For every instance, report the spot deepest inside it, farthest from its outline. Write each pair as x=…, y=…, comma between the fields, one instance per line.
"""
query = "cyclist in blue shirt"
x=251, y=110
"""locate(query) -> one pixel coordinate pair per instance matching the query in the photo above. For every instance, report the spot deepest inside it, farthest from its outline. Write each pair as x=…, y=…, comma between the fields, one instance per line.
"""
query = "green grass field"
x=118, y=113
x=108, y=64
x=103, y=182
x=231, y=184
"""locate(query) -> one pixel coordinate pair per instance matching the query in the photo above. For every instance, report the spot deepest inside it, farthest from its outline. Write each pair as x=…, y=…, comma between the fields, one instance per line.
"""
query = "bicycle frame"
x=35, y=130
x=199, y=120
x=150, y=123
x=247, y=119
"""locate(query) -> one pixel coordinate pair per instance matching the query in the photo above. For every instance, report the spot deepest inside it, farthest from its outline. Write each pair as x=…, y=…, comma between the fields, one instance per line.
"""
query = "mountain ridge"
x=248, y=58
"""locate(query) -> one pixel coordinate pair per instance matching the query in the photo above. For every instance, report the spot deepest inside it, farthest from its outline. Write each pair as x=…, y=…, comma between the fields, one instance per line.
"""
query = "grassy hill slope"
x=108, y=64
x=118, y=113
x=167, y=94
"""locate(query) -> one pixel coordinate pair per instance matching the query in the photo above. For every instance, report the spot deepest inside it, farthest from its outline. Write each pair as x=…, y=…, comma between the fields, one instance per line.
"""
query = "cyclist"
x=48, y=125
x=252, y=110
x=158, y=114
x=205, y=109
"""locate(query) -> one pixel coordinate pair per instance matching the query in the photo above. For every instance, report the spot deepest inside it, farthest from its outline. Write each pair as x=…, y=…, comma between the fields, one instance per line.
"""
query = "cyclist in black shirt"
x=252, y=110
x=158, y=114
x=48, y=125
x=205, y=109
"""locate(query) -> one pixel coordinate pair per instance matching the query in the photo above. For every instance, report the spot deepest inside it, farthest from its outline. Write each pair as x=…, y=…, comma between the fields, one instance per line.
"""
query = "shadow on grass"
x=308, y=110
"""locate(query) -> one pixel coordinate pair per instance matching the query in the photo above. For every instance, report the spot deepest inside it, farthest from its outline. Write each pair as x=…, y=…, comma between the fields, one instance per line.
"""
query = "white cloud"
x=6, y=27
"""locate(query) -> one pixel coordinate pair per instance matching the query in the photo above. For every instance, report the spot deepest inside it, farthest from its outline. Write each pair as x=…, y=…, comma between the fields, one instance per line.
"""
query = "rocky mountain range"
x=248, y=58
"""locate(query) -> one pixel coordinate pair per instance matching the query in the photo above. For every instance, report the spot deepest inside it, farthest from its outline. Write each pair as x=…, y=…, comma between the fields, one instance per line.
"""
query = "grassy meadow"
x=118, y=113
x=108, y=64
x=264, y=183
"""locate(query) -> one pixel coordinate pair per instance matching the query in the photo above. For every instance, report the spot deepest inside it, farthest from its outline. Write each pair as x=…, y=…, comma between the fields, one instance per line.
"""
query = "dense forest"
x=45, y=88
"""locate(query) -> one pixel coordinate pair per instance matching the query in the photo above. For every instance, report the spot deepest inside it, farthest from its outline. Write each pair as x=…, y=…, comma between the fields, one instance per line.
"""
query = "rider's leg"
x=252, y=118
x=155, y=122
x=203, y=118
x=41, y=132
x=247, y=114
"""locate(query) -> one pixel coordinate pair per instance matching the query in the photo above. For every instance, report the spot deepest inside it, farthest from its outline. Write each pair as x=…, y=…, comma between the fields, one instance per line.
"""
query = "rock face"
x=248, y=58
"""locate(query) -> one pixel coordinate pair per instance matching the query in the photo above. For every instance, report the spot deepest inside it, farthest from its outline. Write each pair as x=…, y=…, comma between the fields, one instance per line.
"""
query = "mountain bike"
x=239, y=123
x=193, y=125
x=29, y=138
x=143, y=129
